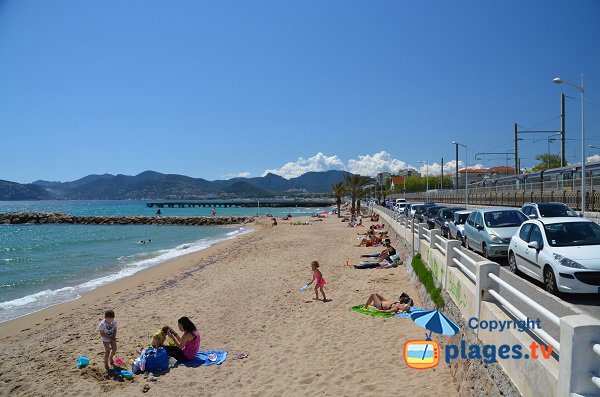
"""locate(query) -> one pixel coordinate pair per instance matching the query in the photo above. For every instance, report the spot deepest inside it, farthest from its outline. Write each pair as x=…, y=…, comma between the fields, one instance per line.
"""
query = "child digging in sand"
x=108, y=332
x=318, y=277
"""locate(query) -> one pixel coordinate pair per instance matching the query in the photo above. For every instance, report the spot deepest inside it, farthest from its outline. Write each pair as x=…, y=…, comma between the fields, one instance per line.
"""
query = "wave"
x=129, y=265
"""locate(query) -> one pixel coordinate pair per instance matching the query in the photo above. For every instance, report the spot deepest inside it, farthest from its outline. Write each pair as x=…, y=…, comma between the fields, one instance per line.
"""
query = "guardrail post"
x=578, y=361
x=420, y=229
x=450, y=254
x=484, y=283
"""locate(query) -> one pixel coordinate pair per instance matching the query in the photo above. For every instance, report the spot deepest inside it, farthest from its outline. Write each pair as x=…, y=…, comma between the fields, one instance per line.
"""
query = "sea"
x=44, y=265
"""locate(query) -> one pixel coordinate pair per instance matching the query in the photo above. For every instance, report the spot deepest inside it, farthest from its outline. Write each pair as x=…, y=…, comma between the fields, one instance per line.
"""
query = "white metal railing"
x=596, y=378
x=427, y=235
x=443, y=241
x=465, y=270
x=462, y=266
x=518, y=314
x=527, y=300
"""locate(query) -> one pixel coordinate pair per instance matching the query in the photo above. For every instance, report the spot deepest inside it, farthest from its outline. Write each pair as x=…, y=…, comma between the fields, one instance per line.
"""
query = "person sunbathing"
x=384, y=305
x=387, y=253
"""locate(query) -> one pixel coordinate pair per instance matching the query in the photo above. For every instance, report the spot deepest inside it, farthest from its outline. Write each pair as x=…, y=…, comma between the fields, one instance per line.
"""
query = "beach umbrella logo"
x=425, y=353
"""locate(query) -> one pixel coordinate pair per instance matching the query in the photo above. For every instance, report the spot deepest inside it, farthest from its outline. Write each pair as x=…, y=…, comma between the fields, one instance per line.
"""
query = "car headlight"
x=563, y=260
x=495, y=239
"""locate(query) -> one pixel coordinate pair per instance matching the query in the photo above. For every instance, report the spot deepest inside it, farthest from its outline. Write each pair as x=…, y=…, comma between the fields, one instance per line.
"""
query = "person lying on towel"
x=384, y=305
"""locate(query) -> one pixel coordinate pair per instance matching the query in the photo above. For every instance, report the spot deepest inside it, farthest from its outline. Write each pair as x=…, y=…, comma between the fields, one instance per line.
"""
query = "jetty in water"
x=241, y=203
x=17, y=218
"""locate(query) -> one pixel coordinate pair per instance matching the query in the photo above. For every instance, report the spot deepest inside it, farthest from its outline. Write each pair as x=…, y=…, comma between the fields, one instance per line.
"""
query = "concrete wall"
x=536, y=378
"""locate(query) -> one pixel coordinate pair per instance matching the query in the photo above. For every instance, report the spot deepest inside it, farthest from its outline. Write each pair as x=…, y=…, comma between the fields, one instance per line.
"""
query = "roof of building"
x=502, y=168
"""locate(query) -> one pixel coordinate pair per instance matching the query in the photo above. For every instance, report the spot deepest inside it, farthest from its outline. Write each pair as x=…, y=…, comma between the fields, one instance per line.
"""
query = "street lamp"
x=427, y=178
x=466, y=170
x=558, y=80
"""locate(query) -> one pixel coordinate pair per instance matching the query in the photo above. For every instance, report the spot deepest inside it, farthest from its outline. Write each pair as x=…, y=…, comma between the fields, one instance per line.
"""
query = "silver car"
x=456, y=228
x=489, y=230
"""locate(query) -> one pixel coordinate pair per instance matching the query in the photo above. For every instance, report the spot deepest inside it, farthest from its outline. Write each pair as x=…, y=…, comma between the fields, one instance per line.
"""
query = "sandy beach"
x=243, y=296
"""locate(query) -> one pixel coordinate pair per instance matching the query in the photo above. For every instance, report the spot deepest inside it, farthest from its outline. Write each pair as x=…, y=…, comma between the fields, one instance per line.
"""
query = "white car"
x=456, y=227
x=563, y=253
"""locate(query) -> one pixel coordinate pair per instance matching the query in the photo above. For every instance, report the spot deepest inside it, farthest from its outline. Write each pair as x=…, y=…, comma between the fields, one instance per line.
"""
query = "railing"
x=461, y=266
x=438, y=246
x=532, y=304
x=575, y=349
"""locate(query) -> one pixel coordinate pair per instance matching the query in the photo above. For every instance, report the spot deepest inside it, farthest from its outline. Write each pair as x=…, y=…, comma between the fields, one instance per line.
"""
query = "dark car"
x=547, y=210
x=420, y=212
x=430, y=215
x=444, y=216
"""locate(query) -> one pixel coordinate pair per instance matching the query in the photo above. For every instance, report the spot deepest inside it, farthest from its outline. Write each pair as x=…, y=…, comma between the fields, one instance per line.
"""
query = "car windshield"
x=572, y=233
x=462, y=218
x=506, y=218
x=447, y=215
x=552, y=211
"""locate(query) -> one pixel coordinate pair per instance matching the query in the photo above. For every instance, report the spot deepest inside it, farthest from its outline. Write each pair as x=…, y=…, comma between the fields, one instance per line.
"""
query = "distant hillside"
x=155, y=185
x=16, y=191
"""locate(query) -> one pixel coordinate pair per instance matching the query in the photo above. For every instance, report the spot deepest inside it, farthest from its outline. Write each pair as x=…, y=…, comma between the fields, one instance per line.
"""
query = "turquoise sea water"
x=43, y=265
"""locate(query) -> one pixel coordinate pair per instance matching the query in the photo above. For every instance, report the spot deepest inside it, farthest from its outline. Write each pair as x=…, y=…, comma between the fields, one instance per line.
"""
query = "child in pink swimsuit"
x=318, y=277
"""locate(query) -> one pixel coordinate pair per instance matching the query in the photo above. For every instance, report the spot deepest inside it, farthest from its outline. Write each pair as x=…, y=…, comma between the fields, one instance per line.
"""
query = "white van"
x=400, y=204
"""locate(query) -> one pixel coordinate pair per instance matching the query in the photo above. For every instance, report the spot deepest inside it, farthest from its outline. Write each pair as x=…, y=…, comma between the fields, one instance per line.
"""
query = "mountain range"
x=155, y=185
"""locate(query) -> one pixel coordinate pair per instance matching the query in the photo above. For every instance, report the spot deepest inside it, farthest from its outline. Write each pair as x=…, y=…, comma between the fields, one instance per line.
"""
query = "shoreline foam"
x=35, y=302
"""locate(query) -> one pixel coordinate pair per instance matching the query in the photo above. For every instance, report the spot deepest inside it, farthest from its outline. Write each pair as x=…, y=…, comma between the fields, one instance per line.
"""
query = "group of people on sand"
x=372, y=238
x=182, y=347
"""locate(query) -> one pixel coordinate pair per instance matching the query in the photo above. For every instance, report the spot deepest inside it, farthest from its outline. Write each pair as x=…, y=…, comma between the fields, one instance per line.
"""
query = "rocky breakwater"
x=16, y=218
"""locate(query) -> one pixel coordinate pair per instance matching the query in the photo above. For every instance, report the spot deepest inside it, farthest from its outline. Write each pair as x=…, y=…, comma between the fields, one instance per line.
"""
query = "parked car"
x=420, y=211
x=456, y=228
x=400, y=205
x=430, y=214
x=444, y=217
x=563, y=253
x=489, y=230
x=547, y=210
x=413, y=209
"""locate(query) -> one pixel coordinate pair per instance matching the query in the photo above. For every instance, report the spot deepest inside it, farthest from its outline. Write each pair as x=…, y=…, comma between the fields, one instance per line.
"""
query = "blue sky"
x=213, y=89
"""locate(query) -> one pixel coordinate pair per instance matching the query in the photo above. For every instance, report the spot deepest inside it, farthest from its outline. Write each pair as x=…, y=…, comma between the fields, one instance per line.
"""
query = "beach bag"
x=154, y=360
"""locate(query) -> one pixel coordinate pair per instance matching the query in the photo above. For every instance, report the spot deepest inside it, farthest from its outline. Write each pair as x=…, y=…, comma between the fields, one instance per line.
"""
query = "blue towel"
x=407, y=315
x=202, y=359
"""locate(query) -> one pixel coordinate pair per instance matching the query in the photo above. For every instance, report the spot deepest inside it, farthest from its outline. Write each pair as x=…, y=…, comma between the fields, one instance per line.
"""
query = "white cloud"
x=593, y=159
x=319, y=162
x=238, y=175
x=366, y=164
x=372, y=165
x=449, y=168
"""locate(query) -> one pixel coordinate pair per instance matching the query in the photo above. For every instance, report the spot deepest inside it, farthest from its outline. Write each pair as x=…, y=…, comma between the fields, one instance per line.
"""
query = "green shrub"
x=426, y=277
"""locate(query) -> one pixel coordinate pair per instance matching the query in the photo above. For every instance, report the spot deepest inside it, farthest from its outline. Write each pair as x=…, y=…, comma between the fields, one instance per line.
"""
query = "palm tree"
x=339, y=190
x=355, y=187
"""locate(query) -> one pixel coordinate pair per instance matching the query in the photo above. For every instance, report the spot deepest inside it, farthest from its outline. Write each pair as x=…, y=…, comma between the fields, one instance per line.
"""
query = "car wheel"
x=461, y=239
x=512, y=263
x=484, y=251
x=550, y=281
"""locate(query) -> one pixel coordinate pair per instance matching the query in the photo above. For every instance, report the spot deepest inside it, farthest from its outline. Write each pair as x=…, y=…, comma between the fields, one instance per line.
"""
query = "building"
x=382, y=177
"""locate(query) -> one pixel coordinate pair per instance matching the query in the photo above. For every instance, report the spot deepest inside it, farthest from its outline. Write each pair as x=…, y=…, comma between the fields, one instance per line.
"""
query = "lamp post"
x=466, y=170
x=427, y=178
x=558, y=80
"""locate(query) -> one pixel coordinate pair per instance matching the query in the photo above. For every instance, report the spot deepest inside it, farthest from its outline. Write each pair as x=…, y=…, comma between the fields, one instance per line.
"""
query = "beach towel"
x=202, y=359
x=370, y=311
x=407, y=315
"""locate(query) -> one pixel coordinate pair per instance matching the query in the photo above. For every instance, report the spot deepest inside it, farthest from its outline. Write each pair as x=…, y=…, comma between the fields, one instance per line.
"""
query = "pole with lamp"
x=558, y=80
x=427, y=178
x=466, y=170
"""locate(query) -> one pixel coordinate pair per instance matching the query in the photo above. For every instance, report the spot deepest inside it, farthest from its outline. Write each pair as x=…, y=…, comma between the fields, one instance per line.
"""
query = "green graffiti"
x=455, y=289
x=436, y=269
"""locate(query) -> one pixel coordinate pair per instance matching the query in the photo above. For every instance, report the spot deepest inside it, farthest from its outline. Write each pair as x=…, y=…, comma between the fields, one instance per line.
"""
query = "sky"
x=216, y=89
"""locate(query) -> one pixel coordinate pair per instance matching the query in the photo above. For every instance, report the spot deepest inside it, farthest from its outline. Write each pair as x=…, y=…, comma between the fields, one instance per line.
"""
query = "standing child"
x=108, y=332
x=318, y=277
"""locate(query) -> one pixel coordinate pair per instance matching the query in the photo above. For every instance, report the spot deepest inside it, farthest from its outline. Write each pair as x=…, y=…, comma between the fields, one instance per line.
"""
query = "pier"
x=241, y=203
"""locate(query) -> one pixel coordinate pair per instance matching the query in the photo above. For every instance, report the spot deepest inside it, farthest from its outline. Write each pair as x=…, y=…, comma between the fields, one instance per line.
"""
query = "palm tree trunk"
x=339, y=206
